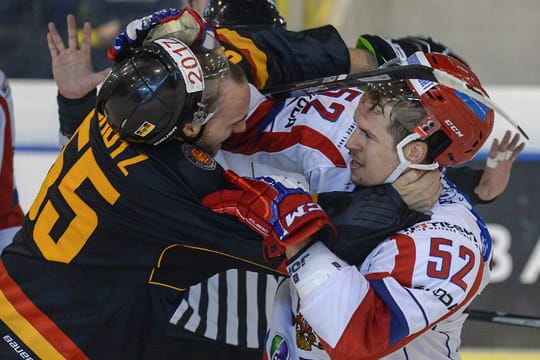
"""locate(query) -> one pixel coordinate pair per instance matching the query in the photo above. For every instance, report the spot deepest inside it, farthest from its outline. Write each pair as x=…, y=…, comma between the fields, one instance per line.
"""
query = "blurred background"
x=499, y=39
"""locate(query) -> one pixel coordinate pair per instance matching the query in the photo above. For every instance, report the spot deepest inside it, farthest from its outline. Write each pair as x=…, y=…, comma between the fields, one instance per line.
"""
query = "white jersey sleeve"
x=304, y=135
x=406, y=301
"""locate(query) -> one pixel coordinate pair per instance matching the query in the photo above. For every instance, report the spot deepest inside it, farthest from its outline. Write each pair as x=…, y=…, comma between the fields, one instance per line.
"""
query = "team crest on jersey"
x=198, y=157
x=279, y=350
x=145, y=129
x=306, y=339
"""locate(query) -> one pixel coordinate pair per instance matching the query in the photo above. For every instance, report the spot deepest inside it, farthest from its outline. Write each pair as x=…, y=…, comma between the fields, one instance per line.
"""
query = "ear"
x=192, y=129
x=416, y=152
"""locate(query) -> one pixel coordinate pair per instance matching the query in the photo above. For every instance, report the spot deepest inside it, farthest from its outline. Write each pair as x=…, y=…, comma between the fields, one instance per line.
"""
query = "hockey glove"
x=185, y=25
x=283, y=215
x=385, y=50
x=365, y=218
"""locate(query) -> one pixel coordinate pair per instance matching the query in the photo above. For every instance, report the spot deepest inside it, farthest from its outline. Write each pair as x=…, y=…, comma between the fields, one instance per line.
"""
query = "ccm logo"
x=453, y=127
x=301, y=211
x=186, y=61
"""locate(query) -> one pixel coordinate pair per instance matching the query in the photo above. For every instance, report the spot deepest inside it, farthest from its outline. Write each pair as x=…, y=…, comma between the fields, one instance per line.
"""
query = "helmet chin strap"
x=404, y=163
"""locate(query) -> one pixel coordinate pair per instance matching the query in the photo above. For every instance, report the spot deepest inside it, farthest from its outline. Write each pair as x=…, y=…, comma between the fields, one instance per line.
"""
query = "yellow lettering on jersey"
x=123, y=146
x=83, y=132
x=51, y=178
x=85, y=220
x=233, y=56
x=134, y=160
x=111, y=138
x=256, y=58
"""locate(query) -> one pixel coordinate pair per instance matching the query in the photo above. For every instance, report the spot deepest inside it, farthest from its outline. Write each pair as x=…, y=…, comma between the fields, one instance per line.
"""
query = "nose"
x=354, y=141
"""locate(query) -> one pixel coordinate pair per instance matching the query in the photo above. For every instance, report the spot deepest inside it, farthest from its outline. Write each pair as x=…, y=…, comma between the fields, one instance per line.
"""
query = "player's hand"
x=185, y=25
x=419, y=189
x=283, y=213
x=385, y=50
x=72, y=66
x=498, y=166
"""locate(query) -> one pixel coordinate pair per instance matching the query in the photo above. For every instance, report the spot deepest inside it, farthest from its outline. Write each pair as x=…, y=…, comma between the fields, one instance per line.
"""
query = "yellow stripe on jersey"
x=253, y=55
x=26, y=332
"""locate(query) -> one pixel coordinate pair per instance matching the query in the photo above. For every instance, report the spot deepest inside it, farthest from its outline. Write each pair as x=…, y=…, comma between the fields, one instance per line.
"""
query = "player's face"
x=371, y=146
x=229, y=119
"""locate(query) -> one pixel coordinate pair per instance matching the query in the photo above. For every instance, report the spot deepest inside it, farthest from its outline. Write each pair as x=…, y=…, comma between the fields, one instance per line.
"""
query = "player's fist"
x=283, y=213
x=185, y=25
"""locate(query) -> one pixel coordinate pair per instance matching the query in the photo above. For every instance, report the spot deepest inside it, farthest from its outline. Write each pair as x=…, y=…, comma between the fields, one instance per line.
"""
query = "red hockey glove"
x=185, y=25
x=284, y=216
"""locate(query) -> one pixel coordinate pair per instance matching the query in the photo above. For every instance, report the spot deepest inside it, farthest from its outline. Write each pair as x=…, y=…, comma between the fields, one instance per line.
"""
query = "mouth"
x=355, y=164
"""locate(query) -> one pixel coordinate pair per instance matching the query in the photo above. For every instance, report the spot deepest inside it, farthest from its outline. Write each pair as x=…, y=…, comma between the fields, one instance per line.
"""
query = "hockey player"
x=117, y=230
x=193, y=312
x=11, y=215
x=406, y=300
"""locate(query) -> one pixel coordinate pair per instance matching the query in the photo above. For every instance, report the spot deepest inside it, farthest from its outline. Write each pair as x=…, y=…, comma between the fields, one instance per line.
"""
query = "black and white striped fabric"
x=230, y=307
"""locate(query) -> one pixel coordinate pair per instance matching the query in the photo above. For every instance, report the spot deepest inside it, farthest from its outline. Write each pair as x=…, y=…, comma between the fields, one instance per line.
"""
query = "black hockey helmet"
x=151, y=95
x=239, y=13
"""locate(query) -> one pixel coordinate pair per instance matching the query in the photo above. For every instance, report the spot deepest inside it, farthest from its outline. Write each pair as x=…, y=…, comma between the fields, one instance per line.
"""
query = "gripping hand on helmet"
x=283, y=215
x=185, y=25
x=384, y=49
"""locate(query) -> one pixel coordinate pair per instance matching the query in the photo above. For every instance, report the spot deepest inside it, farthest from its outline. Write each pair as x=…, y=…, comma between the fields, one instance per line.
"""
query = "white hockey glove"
x=185, y=25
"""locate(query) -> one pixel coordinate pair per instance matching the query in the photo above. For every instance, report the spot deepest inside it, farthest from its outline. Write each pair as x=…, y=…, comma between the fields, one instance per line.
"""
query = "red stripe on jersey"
x=302, y=135
x=11, y=213
x=473, y=292
x=254, y=56
x=405, y=259
x=367, y=334
x=238, y=143
x=250, y=142
x=28, y=319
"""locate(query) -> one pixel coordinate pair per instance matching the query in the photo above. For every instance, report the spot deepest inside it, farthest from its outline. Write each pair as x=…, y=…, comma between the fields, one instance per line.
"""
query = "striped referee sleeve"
x=230, y=307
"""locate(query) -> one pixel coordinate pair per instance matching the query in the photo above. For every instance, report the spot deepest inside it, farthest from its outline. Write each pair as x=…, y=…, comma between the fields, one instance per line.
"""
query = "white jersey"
x=297, y=136
x=11, y=215
x=406, y=300
x=315, y=149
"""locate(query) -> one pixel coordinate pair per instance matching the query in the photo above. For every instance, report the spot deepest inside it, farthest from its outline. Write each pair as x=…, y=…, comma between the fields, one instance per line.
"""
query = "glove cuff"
x=313, y=266
x=383, y=50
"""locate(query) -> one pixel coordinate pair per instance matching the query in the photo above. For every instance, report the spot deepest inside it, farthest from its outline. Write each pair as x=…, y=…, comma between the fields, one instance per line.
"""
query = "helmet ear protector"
x=150, y=96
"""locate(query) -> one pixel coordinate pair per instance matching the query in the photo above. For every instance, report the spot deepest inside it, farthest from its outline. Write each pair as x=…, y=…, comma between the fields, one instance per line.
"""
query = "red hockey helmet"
x=460, y=123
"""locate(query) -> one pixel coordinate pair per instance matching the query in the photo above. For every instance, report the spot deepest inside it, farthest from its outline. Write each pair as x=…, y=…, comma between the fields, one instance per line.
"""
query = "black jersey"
x=275, y=56
x=113, y=238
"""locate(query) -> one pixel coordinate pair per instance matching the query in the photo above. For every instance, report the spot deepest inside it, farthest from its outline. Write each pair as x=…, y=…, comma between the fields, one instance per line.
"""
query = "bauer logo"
x=145, y=129
x=186, y=61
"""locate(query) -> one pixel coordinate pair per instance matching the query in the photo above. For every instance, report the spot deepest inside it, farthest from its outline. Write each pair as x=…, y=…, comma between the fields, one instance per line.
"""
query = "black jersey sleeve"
x=366, y=217
x=71, y=112
x=274, y=56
